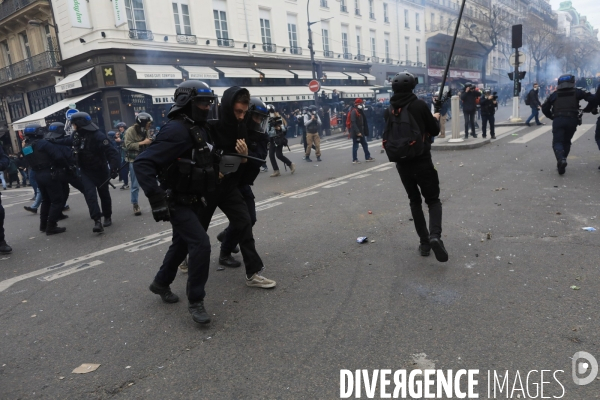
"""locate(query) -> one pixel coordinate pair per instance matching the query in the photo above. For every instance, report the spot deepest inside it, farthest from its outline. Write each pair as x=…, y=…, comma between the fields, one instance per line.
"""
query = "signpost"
x=513, y=59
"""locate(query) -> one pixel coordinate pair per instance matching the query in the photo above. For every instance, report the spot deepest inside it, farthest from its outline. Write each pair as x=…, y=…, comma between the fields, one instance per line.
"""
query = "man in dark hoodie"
x=469, y=99
x=418, y=174
x=359, y=129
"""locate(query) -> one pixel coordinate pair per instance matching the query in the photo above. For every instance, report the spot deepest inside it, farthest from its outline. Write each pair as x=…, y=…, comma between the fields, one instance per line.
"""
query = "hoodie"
x=227, y=128
x=428, y=124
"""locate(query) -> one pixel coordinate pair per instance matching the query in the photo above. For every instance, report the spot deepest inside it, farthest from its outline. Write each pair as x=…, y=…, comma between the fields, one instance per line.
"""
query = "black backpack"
x=527, y=102
x=402, y=137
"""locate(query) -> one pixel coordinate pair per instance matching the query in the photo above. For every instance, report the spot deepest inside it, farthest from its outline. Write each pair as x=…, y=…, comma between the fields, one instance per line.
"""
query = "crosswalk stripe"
x=532, y=135
x=581, y=130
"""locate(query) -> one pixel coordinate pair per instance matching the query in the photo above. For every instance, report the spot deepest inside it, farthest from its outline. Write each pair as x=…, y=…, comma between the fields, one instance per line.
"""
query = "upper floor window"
x=292, y=31
x=406, y=24
x=417, y=21
x=25, y=44
x=371, y=9
x=136, y=17
x=386, y=17
x=4, y=50
x=357, y=7
x=265, y=28
x=181, y=13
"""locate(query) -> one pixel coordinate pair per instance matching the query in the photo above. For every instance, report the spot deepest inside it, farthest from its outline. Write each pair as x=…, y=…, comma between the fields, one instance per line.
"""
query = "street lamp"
x=310, y=43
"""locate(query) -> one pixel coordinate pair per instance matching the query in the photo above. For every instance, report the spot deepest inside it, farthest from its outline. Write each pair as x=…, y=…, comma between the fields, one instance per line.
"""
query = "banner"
x=120, y=13
x=80, y=16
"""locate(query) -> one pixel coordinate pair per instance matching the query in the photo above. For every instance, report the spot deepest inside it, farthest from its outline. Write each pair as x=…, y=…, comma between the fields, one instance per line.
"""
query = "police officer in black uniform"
x=256, y=125
x=50, y=163
x=93, y=154
x=562, y=107
x=181, y=157
x=4, y=247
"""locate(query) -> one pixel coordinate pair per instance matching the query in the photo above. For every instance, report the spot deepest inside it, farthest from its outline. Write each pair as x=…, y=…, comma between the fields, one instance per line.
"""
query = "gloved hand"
x=114, y=173
x=160, y=208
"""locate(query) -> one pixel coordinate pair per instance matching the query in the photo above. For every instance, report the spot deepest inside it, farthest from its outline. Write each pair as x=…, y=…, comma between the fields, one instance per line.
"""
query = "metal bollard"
x=456, y=137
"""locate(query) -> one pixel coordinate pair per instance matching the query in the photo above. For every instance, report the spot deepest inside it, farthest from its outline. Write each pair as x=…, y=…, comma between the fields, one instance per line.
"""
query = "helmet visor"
x=257, y=122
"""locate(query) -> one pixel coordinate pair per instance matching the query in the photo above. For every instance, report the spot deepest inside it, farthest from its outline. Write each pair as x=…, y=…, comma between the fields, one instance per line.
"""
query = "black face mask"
x=198, y=115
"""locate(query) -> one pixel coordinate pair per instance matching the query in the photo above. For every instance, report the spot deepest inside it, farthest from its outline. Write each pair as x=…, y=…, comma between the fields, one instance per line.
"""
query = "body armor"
x=37, y=160
x=566, y=104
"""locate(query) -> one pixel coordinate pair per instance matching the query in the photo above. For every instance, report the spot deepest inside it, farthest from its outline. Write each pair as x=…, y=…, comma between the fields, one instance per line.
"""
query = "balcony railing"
x=225, y=42
x=269, y=48
x=140, y=34
x=295, y=50
x=37, y=63
x=189, y=39
x=328, y=53
x=9, y=7
x=360, y=57
x=347, y=56
x=375, y=59
x=344, y=9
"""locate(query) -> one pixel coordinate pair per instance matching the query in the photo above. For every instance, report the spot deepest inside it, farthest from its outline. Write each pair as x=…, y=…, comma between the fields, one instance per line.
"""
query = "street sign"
x=70, y=112
x=314, y=86
x=522, y=59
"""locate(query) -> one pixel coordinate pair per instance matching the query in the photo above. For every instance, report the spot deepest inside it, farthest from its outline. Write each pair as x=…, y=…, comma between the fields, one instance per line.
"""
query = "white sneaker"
x=260, y=281
x=355, y=162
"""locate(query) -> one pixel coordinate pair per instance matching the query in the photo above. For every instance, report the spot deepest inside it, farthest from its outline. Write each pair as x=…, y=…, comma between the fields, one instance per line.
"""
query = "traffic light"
x=522, y=75
x=511, y=75
x=519, y=87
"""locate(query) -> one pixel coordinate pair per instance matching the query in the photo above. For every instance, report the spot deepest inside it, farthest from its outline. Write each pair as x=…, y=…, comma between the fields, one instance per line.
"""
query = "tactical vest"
x=312, y=126
x=566, y=104
x=37, y=160
x=84, y=154
x=191, y=176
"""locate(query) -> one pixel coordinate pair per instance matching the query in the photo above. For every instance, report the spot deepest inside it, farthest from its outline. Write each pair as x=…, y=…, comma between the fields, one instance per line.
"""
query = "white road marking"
x=385, y=168
x=147, y=245
x=301, y=195
x=360, y=176
x=340, y=183
x=581, y=130
x=532, y=135
x=70, y=271
x=267, y=206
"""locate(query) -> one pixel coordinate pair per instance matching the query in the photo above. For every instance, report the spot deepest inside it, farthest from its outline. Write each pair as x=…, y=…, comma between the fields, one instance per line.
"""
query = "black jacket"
x=487, y=106
x=548, y=106
x=469, y=100
x=428, y=124
x=533, y=98
x=97, y=151
x=358, y=123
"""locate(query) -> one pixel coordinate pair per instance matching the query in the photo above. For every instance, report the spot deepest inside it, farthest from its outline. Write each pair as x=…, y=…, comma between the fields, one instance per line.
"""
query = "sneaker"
x=164, y=292
x=62, y=216
x=66, y=208
x=355, y=162
x=483, y=136
x=493, y=137
x=438, y=249
x=541, y=123
x=97, y=226
x=275, y=173
x=527, y=123
x=370, y=160
x=264, y=169
x=31, y=209
x=260, y=281
x=199, y=314
x=292, y=168
x=425, y=251
x=5, y=248
x=136, y=209
x=183, y=267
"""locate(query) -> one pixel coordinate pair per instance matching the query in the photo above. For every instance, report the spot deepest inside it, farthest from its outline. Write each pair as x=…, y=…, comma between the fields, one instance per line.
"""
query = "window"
x=441, y=21
x=432, y=21
x=373, y=45
x=325, y=36
x=181, y=13
x=386, y=18
x=136, y=18
x=357, y=7
x=48, y=45
x=418, y=49
x=358, y=52
x=221, y=24
x=25, y=45
x=406, y=25
x=386, y=44
x=406, y=41
x=293, y=32
x=371, y=9
x=345, y=48
x=265, y=30
x=5, y=53
x=418, y=24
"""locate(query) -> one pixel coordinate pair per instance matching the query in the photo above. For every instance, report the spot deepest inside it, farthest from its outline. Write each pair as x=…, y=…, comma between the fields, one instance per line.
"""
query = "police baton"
x=109, y=178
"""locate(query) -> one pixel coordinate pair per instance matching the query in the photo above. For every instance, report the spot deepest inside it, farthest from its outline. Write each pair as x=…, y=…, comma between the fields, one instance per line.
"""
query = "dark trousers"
x=469, y=121
x=189, y=237
x=597, y=136
x=421, y=178
x=563, y=129
x=277, y=150
x=91, y=180
x=231, y=235
x=53, y=196
x=124, y=173
x=229, y=199
x=74, y=181
x=484, y=121
x=33, y=182
x=1, y=221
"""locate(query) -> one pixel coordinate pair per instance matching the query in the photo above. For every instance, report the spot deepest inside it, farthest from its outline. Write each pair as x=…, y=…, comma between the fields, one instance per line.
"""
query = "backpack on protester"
x=527, y=102
x=402, y=137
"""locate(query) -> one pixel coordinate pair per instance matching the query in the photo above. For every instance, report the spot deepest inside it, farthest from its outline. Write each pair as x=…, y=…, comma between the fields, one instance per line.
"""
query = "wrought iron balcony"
x=295, y=50
x=375, y=59
x=9, y=7
x=225, y=42
x=140, y=34
x=347, y=56
x=328, y=53
x=343, y=9
x=360, y=57
x=37, y=63
x=189, y=39
x=269, y=47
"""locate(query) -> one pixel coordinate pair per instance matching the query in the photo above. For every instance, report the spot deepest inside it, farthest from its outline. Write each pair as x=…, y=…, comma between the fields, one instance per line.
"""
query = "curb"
x=461, y=146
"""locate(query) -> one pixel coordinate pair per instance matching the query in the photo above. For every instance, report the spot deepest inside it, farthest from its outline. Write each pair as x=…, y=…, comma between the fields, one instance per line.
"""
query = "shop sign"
x=108, y=72
x=79, y=13
x=120, y=13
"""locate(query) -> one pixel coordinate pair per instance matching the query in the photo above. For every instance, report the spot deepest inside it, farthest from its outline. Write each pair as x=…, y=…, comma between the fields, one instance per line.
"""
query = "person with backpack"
x=410, y=128
x=532, y=100
x=469, y=99
x=359, y=130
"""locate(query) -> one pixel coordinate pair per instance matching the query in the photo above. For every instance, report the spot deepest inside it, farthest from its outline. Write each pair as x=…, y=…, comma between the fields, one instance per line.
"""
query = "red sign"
x=314, y=86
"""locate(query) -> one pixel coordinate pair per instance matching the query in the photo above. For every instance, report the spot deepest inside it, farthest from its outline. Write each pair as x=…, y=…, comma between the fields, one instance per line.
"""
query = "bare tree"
x=539, y=39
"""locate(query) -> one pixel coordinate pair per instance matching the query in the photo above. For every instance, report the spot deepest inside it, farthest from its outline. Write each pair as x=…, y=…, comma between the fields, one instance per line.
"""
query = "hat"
x=358, y=101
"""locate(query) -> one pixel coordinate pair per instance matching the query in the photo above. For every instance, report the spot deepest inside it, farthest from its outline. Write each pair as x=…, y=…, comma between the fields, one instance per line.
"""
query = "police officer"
x=137, y=139
x=256, y=125
x=181, y=157
x=93, y=153
x=562, y=107
x=488, y=110
x=49, y=161
x=4, y=247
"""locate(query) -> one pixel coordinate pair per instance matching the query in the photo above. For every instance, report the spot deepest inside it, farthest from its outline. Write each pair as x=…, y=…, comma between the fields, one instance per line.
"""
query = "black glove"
x=160, y=208
x=114, y=173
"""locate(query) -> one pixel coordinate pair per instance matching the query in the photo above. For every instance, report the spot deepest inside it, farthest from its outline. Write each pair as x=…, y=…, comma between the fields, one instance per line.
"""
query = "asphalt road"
x=504, y=301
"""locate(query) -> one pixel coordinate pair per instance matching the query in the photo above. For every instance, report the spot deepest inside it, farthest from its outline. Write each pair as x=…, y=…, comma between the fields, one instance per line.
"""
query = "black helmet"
x=270, y=108
x=566, y=82
x=258, y=111
x=142, y=119
x=190, y=91
x=56, y=130
x=83, y=121
x=404, y=82
x=121, y=125
x=312, y=108
x=468, y=84
x=34, y=130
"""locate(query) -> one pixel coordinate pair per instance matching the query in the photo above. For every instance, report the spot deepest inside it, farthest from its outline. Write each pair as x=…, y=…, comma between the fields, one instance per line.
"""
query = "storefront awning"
x=40, y=116
x=277, y=73
x=352, y=92
x=72, y=81
x=201, y=72
x=335, y=75
x=159, y=95
x=155, y=71
x=368, y=76
x=238, y=72
x=275, y=94
x=355, y=76
x=302, y=74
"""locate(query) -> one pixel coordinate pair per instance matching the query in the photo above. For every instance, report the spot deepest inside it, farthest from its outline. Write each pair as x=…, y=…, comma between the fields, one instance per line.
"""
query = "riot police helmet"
x=566, y=81
x=312, y=109
x=82, y=120
x=34, y=131
x=403, y=82
x=56, y=130
x=259, y=115
x=189, y=96
x=142, y=119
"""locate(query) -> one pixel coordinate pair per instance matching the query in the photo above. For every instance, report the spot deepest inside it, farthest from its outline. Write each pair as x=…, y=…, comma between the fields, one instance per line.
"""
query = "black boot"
x=438, y=249
x=107, y=221
x=165, y=292
x=98, y=226
x=43, y=226
x=425, y=250
x=62, y=216
x=199, y=314
x=53, y=229
x=31, y=209
x=561, y=161
x=228, y=261
x=221, y=237
x=5, y=248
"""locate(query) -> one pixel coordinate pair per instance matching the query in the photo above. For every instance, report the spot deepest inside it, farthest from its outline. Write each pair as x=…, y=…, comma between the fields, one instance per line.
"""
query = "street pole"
x=516, y=90
x=310, y=47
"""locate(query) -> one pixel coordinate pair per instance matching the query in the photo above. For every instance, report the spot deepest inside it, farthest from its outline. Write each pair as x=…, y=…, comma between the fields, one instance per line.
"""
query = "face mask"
x=535, y=88
x=199, y=115
x=359, y=107
x=314, y=112
x=272, y=114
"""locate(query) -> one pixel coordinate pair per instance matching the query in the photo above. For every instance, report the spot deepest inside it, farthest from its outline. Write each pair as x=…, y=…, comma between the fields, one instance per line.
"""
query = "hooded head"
x=359, y=103
x=232, y=115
